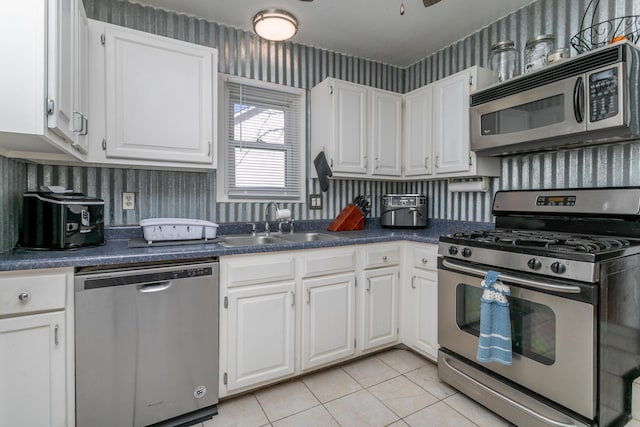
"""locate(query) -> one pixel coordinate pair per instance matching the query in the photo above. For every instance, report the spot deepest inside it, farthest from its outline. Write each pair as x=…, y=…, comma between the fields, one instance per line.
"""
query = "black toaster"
x=404, y=211
x=61, y=221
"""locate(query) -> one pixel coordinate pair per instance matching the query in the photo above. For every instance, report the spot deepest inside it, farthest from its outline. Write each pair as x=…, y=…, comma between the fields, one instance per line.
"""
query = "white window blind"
x=264, y=141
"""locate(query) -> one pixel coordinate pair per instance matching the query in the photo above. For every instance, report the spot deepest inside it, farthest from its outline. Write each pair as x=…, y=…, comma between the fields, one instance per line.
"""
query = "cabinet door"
x=159, y=98
x=386, y=133
x=32, y=371
x=418, y=132
x=423, y=324
x=260, y=334
x=380, y=307
x=349, y=149
x=452, y=123
x=81, y=88
x=61, y=73
x=328, y=314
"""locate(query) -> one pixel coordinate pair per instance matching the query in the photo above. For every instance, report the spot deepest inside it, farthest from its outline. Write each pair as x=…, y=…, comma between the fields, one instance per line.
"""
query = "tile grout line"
x=320, y=402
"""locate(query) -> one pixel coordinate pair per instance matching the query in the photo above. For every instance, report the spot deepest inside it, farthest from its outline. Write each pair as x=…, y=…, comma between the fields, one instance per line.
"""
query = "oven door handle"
x=567, y=289
x=512, y=402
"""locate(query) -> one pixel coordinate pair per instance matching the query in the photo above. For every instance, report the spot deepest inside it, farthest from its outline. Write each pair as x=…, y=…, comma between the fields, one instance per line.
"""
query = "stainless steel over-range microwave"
x=592, y=98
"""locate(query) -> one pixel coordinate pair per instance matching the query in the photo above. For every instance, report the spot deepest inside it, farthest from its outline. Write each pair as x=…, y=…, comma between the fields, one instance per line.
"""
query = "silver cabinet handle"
x=413, y=282
x=424, y=260
x=384, y=258
x=24, y=296
x=293, y=298
x=154, y=287
x=331, y=163
x=377, y=163
x=55, y=335
x=209, y=153
x=308, y=295
x=511, y=402
x=368, y=288
x=426, y=162
x=437, y=161
x=567, y=289
x=79, y=115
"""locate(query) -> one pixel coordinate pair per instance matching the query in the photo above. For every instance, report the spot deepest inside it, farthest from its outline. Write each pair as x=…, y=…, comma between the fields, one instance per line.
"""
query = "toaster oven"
x=404, y=211
x=61, y=221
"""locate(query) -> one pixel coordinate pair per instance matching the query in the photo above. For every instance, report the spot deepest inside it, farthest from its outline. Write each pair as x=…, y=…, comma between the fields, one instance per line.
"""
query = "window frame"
x=223, y=174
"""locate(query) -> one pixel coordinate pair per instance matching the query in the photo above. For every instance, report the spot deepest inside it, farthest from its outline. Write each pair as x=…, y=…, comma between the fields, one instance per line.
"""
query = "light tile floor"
x=393, y=388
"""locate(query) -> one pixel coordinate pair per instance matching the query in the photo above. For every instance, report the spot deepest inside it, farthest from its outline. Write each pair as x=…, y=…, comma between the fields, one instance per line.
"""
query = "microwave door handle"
x=578, y=100
x=567, y=289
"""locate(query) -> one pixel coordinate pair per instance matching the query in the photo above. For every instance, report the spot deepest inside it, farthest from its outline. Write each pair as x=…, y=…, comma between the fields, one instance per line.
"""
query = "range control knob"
x=466, y=252
x=534, y=264
x=558, y=268
x=453, y=250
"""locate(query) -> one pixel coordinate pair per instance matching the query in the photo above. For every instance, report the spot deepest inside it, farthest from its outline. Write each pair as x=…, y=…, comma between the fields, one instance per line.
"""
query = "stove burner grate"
x=548, y=240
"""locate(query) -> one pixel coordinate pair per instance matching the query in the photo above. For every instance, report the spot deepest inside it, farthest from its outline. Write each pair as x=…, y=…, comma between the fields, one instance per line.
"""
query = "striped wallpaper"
x=192, y=194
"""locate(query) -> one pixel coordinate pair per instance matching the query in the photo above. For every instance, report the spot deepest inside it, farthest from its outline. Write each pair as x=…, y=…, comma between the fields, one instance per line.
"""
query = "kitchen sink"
x=249, y=240
x=275, y=238
x=308, y=237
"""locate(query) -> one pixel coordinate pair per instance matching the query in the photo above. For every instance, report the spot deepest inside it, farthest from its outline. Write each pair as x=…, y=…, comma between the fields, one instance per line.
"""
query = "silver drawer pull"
x=424, y=260
x=24, y=296
x=384, y=257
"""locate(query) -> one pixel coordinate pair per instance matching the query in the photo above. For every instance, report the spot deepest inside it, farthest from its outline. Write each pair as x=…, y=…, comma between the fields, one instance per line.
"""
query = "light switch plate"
x=128, y=201
x=315, y=201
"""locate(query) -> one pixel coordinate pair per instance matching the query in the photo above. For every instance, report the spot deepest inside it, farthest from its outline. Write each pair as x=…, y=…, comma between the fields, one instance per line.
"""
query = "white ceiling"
x=371, y=29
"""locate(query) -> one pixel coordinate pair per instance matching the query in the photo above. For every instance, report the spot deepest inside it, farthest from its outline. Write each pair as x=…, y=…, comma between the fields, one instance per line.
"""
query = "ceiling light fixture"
x=275, y=24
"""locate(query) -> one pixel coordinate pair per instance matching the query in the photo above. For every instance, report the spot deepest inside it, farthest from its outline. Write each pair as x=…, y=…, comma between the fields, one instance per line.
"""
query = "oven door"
x=552, y=327
x=543, y=112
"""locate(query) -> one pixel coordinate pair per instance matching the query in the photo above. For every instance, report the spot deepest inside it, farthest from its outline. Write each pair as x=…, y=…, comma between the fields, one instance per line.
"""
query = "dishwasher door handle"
x=154, y=287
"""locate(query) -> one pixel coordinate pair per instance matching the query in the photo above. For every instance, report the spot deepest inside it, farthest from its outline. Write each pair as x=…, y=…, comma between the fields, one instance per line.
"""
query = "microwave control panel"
x=603, y=95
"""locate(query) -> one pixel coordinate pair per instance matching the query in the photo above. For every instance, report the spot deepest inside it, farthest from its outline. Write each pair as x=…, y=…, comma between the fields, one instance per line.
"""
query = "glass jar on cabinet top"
x=503, y=60
x=537, y=51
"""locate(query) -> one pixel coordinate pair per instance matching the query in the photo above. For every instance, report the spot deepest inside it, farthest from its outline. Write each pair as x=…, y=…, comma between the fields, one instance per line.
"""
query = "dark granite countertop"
x=116, y=249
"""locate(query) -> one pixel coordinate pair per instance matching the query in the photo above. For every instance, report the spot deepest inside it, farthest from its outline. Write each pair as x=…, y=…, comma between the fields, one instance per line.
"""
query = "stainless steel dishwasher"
x=147, y=345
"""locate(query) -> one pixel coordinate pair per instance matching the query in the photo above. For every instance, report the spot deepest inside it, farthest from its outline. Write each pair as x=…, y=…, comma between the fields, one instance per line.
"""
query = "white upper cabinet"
x=339, y=125
x=155, y=99
x=358, y=128
x=43, y=111
x=418, y=132
x=453, y=156
x=376, y=134
x=386, y=133
x=452, y=123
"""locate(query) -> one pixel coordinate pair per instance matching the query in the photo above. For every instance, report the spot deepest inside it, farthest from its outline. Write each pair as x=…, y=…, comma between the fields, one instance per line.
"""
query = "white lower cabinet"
x=257, y=320
x=380, y=312
x=36, y=348
x=378, y=294
x=328, y=319
x=288, y=313
x=32, y=368
x=261, y=333
x=420, y=309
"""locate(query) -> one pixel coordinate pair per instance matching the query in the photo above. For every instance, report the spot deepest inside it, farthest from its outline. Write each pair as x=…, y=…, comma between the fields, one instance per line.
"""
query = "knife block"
x=349, y=219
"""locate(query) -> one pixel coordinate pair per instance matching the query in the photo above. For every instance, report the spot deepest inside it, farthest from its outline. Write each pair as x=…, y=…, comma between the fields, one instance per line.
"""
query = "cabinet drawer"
x=382, y=256
x=325, y=262
x=425, y=257
x=22, y=293
x=247, y=270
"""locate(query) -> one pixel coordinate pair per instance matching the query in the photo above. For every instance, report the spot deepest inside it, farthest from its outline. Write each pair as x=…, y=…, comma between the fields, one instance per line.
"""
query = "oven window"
x=533, y=325
x=532, y=115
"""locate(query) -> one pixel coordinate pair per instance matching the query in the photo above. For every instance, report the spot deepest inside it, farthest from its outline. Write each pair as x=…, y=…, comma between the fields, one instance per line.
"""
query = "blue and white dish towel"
x=494, y=344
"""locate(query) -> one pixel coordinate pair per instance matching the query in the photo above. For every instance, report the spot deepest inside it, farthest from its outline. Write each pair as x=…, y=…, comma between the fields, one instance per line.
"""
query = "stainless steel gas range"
x=571, y=259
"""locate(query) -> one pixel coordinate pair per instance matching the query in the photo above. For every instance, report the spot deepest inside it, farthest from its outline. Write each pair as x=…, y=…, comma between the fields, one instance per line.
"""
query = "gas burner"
x=560, y=242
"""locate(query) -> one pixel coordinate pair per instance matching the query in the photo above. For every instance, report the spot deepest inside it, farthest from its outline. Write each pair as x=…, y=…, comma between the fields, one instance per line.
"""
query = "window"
x=262, y=150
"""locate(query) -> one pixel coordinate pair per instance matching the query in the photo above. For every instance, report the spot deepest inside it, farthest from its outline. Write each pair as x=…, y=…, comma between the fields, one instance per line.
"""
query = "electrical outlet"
x=128, y=201
x=315, y=201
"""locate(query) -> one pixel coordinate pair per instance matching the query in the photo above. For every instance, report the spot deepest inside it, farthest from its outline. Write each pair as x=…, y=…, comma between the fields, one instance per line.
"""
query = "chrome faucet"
x=266, y=216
